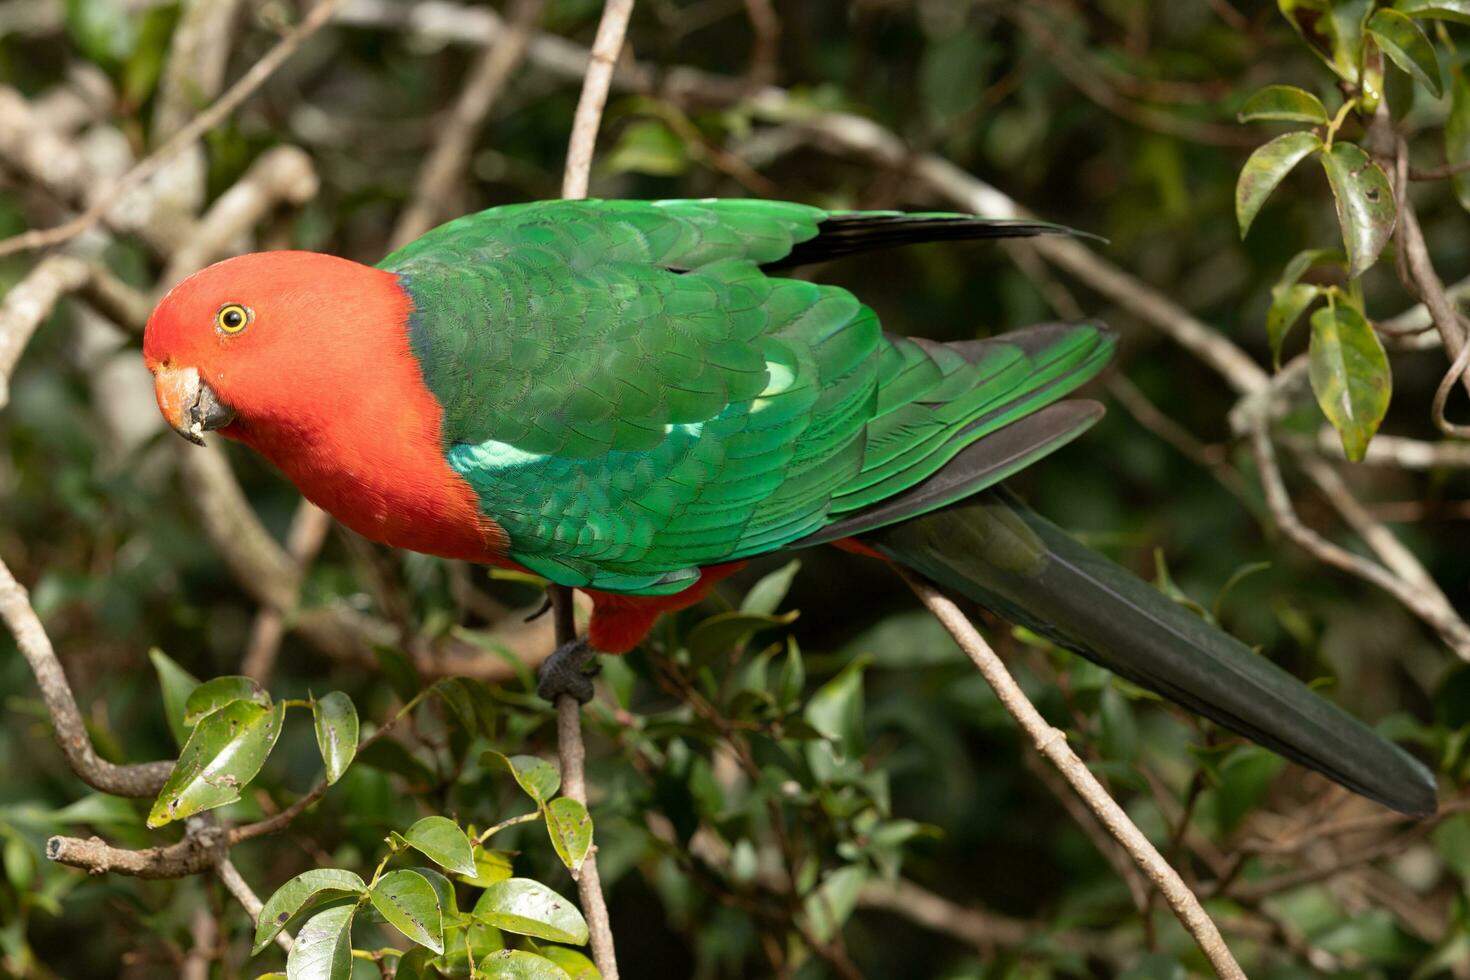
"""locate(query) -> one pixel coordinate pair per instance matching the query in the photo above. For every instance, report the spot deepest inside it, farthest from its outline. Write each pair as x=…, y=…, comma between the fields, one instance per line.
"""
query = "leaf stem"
x=1337, y=122
x=504, y=824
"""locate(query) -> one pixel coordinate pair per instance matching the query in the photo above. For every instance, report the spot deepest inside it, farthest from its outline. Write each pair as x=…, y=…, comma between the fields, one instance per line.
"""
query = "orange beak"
x=188, y=404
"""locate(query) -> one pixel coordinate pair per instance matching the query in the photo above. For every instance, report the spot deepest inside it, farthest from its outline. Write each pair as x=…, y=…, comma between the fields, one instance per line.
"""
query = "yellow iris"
x=232, y=318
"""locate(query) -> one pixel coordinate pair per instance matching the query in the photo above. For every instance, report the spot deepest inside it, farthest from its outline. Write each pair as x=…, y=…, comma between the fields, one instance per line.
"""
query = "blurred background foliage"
x=752, y=810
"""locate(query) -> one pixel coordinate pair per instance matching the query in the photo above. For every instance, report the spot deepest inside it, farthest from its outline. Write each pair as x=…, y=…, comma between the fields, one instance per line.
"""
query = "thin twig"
x=201, y=124
x=247, y=898
x=606, y=48
x=1052, y=743
x=446, y=164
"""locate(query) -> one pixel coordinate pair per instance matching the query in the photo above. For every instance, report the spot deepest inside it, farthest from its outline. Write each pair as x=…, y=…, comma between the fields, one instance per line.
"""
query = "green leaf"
x=836, y=708
x=723, y=632
x=453, y=693
x=176, y=684
x=444, y=889
x=577, y=965
x=215, y=694
x=402, y=675
x=529, y=908
x=1288, y=303
x=490, y=866
x=335, y=719
x=1284, y=103
x=407, y=900
x=570, y=827
x=648, y=147
x=103, y=30
x=414, y=965
x=1455, y=10
x=323, y=947
x=1265, y=169
x=224, y=753
x=1407, y=45
x=1457, y=135
x=1244, y=777
x=832, y=902
x=537, y=777
x=1333, y=29
x=516, y=964
x=440, y=840
x=792, y=679
x=1365, y=205
x=765, y=596
x=1350, y=375
x=298, y=894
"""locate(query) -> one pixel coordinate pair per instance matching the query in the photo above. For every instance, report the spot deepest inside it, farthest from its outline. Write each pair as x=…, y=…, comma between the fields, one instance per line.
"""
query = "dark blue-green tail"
x=993, y=550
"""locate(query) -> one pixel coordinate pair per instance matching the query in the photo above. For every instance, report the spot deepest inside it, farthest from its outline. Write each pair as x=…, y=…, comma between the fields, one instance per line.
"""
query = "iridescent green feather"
x=633, y=396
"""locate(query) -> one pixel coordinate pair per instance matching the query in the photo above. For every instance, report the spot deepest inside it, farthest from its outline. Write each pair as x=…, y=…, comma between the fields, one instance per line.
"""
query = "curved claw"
x=565, y=672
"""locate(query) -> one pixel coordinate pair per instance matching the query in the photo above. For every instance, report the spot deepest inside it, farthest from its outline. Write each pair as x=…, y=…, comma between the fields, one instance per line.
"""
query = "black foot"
x=565, y=672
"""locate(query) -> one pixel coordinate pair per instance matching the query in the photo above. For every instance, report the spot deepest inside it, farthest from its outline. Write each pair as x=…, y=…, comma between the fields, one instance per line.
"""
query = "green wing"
x=632, y=396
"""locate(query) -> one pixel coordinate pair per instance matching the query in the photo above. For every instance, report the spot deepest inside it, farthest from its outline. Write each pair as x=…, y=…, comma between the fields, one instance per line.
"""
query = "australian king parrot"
x=634, y=397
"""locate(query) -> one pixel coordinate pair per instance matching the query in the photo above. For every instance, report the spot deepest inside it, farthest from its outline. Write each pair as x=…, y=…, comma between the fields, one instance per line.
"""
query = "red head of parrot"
x=306, y=358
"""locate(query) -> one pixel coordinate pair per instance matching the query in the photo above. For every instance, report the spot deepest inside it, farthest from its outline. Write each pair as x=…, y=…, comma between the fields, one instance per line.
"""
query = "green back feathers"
x=632, y=395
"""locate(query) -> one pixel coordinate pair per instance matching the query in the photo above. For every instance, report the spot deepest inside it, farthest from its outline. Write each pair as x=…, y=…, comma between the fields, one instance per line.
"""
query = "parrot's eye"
x=232, y=318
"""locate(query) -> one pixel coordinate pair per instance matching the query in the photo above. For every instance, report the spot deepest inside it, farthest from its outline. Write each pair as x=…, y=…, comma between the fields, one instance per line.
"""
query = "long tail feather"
x=995, y=551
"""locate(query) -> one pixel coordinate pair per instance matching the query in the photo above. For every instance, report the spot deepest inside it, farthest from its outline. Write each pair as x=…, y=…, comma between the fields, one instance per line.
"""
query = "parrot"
x=635, y=398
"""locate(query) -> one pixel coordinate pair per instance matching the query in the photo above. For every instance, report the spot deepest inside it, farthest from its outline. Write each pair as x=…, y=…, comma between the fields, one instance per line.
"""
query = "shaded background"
x=1116, y=118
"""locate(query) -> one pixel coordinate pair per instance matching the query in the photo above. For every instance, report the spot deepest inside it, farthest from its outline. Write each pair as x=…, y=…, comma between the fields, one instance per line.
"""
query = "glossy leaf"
x=224, y=753
x=536, y=776
x=766, y=596
x=1365, y=206
x=1288, y=303
x=1333, y=30
x=529, y=908
x=1457, y=135
x=490, y=866
x=1350, y=375
x=298, y=894
x=1265, y=170
x=177, y=684
x=577, y=965
x=323, y=947
x=516, y=964
x=440, y=840
x=1408, y=46
x=1284, y=103
x=1455, y=10
x=335, y=719
x=408, y=901
x=570, y=827
x=220, y=691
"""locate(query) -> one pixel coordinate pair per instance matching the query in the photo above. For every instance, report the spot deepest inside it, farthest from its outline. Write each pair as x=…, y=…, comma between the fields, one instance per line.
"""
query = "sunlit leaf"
x=440, y=840
x=1365, y=205
x=408, y=901
x=490, y=866
x=517, y=964
x=1284, y=103
x=323, y=947
x=570, y=828
x=224, y=753
x=1455, y=10
x=216, y=693
x=298, y=894
x=1265, y=170
x=1406, y=43
x=577, y=965
x=1350, y=375
x=335, y=719
x=536, y=776
x=529, y=908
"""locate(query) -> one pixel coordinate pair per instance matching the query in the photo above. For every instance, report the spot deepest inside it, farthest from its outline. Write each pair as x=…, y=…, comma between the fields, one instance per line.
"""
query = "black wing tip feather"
x=845, y=233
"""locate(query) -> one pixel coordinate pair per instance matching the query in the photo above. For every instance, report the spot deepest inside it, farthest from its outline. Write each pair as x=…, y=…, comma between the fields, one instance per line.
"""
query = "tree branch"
x=1052, y=743
x=137, y=780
